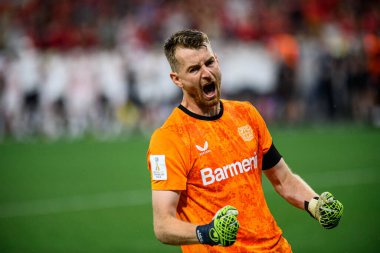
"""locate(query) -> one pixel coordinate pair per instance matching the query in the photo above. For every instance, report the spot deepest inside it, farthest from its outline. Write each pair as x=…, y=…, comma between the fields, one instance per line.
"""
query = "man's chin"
x=212, y=102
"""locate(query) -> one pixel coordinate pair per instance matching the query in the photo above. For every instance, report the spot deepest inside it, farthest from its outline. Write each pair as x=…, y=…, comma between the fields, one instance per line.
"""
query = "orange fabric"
x=286, y=46
x=217, y=163
x=372, y=46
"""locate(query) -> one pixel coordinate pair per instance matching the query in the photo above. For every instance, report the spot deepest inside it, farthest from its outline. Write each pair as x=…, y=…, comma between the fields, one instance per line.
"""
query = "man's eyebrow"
x=197, y=65
x=212, y=58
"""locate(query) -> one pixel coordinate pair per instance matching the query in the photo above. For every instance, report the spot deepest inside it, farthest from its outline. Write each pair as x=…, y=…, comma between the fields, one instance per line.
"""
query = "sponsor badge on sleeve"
x=158, y=167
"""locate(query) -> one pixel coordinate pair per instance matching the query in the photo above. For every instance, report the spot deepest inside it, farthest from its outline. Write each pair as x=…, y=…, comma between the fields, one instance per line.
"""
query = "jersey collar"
x=201, y=117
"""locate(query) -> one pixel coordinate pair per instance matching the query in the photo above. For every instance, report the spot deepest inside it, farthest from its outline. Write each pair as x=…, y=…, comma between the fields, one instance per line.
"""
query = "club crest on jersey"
x=246, y=132
x=204, y=149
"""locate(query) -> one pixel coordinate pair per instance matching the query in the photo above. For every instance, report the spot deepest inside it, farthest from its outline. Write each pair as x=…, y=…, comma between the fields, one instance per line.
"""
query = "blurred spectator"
x=110, y=74
x=55, y=79
x=81, y=92
x=286, y=49
x=372, y=49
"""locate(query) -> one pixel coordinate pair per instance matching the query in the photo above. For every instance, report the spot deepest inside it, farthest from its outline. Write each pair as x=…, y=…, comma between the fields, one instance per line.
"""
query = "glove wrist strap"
x=203, y=234
x=311, y=207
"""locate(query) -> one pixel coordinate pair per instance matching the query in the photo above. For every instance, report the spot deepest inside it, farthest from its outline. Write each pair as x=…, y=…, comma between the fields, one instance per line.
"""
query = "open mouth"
x=209, y=89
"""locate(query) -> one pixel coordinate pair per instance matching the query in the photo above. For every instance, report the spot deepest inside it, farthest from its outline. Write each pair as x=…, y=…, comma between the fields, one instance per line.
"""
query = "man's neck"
x=208, y=112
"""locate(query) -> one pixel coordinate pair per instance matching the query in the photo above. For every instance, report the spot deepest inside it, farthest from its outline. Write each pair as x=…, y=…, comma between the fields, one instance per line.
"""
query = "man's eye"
x=193, y=70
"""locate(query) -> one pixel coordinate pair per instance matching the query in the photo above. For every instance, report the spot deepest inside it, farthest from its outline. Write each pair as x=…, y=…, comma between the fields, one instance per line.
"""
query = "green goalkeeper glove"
x=325, y=209
x=222, y=230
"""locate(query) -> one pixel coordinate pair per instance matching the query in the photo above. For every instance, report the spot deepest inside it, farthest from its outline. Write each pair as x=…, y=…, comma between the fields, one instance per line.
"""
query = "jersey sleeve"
x=167, y=161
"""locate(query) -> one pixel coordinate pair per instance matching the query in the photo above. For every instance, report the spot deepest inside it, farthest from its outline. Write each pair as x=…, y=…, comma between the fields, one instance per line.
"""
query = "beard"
x=206, y=97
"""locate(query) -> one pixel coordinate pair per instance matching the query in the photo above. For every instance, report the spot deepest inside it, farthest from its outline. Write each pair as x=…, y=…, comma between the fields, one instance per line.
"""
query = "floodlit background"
x=83, y=83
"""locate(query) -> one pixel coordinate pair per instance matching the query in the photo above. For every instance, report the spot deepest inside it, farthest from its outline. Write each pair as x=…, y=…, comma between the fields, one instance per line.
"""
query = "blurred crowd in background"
x=71, y=67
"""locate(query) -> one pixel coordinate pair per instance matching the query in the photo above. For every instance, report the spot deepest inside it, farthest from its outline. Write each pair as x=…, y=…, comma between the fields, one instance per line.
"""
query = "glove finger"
x=227, y=227
x=333, y=209
x=330, y=214
x=227, y=210
x=327, y=197
x=232, y=224
x=330, y=226
x=329, y=222
x=232, y=212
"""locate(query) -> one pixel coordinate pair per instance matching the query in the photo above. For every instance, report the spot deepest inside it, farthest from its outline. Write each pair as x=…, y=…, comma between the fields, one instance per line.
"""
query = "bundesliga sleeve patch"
x=158, y=167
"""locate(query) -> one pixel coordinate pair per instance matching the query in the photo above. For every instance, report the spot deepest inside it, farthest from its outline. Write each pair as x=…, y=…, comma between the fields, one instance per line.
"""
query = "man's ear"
x=175, y=78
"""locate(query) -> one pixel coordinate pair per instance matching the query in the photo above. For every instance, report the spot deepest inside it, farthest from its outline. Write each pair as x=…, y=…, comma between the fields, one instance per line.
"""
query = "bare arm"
x=289, y=185
x=167, y=227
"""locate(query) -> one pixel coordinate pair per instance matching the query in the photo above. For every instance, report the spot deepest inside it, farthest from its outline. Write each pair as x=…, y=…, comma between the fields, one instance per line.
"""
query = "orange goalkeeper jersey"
x=214, y=162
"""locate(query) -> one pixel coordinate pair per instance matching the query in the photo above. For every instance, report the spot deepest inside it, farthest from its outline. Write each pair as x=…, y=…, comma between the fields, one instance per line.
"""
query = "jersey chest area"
x=223, y=151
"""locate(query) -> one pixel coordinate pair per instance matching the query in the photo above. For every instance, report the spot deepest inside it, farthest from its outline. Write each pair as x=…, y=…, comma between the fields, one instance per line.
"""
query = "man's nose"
x=206, y=73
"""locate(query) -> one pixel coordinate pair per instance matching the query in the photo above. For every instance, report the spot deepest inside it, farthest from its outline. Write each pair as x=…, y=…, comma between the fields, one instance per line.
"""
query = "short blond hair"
x=188, y=38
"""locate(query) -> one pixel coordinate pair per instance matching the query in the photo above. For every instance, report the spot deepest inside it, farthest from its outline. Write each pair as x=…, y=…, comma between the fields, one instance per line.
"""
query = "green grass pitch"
x=94, y=196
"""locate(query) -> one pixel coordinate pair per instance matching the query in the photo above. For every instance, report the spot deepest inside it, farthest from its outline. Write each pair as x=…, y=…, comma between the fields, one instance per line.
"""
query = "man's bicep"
x=164, y=203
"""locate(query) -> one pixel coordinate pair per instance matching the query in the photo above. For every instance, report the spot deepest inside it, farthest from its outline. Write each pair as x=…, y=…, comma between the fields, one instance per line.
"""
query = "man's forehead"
x=190, y=56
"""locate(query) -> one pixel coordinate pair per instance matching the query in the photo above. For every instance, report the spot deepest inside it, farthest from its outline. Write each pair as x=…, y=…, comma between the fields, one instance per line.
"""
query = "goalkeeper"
x=207, y=160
